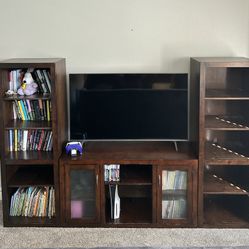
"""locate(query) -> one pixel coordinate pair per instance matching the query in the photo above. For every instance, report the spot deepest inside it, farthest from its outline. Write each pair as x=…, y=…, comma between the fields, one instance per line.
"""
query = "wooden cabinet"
x=223, y=89
x=176, y=202
x=146, y=177
x=29, y=162
x=82, y=194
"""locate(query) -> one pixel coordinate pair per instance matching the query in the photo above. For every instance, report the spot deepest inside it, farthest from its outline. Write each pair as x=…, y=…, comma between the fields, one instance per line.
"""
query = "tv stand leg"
x=176, y=147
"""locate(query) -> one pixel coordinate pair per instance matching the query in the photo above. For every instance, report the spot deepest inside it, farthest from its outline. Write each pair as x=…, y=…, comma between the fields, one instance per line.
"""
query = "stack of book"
x=33, y=202
x=112, y=172
x=174, y=209
x=40, y=76
x=174, y=203
x=26, y=109
x=15, y=79
x=172, y=180
x=26, y=140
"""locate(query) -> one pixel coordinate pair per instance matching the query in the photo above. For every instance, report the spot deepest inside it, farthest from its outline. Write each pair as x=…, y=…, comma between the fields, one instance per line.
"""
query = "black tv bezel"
x=128, y=140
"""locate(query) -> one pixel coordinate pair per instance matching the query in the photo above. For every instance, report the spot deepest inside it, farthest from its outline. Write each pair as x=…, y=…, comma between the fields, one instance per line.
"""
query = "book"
x=24, y=140
x=10, y=140
x=47, y=79
x=48, y=109
x=21, y=110
x=15, y=139
x=42, y=81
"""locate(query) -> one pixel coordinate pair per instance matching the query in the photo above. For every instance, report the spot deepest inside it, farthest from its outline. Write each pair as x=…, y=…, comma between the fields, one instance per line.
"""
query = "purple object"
x=77, y=209
x=74, y=147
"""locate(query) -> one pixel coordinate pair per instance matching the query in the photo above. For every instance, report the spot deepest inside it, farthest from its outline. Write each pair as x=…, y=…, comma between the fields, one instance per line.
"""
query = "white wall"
x=124, y=35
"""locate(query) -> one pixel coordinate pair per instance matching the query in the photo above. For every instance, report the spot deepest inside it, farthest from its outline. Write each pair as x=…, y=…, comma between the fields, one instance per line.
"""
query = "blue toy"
x=73, y=148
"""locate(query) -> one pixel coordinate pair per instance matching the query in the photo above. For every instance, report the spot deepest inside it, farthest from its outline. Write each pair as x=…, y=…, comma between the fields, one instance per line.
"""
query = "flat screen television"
x=129, y=107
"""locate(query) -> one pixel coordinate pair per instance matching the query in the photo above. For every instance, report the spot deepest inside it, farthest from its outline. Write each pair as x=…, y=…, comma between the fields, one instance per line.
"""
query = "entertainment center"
x=201, y=184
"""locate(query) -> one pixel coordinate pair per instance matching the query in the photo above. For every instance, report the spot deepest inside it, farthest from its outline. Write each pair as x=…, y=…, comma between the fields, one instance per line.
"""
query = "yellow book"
x=21, y=110
x=48, y=110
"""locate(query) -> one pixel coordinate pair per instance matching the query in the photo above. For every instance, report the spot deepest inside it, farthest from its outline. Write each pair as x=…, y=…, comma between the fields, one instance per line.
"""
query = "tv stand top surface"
x=127, y=151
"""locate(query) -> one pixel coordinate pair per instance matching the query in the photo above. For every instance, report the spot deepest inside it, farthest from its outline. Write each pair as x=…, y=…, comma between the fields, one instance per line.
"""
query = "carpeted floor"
x=120, y=237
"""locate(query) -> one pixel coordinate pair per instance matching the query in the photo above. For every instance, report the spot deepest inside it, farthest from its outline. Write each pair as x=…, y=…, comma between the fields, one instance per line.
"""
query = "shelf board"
x=122, y=152
x=213, y=122
x=29, y=157
x=30, y=221
x=227, y=94
x=26, y=125
x=217, y=216
x=131, y=182
x=216, y=156
x=31, y=97
x=32, y=177
x=215, y=186
x=173, y=193
x=133, y=211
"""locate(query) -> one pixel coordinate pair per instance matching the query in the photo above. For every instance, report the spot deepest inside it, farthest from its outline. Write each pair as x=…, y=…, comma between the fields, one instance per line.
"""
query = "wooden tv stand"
x=84, y=193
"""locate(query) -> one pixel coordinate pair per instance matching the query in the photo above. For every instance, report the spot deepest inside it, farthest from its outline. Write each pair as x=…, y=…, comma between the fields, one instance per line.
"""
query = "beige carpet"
x=102, y=237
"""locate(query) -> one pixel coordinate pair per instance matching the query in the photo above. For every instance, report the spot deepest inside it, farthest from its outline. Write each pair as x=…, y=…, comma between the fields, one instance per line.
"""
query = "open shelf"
x=214, y=185
x=221, y=212
x=218, y=155
x=29, y=157
x=227, y=94
x=225, y=123
x=134, y=174
x=133, y=211
x=26, y=176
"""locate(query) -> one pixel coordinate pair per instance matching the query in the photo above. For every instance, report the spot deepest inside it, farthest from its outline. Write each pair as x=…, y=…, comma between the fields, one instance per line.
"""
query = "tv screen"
x=128, y=106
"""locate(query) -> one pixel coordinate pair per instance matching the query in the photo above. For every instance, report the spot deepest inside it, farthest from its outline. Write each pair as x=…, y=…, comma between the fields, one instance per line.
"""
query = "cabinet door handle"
x=97, y=179
x=159, y=180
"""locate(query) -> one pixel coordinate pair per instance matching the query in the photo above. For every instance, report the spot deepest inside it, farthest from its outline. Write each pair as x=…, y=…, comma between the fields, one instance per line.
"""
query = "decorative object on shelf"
x=10, y=93
x=114, y=201
x=112, y=172
x=28, y=86
x=73, y=148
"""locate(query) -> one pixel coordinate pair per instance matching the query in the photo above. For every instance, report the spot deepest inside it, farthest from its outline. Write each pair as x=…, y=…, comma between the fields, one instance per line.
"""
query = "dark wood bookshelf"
x=32, y=168
x=222, y=85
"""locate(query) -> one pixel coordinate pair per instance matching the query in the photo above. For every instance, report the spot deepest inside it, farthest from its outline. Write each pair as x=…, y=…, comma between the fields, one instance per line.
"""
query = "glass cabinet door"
x=177, y=194
x=82, y=193
x=174, y=194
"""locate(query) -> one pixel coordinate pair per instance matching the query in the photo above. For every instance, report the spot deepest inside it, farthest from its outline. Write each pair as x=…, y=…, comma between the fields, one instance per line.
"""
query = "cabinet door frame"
x=191, y=168
x=67, y=203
